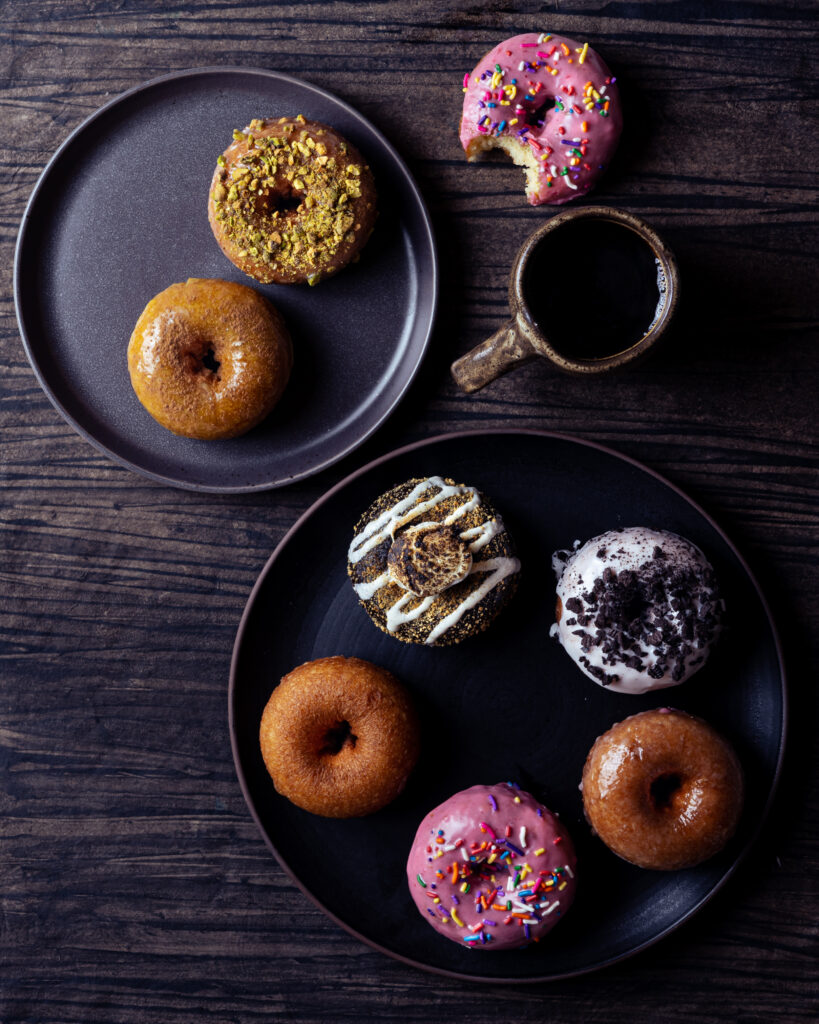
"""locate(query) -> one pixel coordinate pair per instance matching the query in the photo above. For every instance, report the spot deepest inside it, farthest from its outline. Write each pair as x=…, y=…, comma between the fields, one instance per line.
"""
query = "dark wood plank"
x=135, y=886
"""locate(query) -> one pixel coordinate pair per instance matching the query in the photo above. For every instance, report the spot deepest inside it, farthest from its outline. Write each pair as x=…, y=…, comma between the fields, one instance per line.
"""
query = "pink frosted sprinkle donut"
x=492, y=868
x=552, y=105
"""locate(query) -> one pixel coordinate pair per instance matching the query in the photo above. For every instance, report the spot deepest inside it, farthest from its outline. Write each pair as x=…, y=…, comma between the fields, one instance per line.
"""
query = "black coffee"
x=594, y=288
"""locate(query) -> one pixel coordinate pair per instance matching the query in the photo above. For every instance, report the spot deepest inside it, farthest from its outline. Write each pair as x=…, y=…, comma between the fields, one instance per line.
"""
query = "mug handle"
x=507, y=348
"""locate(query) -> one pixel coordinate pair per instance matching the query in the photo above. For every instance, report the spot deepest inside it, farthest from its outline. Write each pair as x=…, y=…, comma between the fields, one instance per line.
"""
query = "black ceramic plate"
x=507, y=705
x=120, y=213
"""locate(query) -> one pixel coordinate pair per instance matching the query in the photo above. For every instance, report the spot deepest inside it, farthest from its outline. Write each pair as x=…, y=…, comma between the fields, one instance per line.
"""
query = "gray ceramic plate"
x=120, y=213
x=508, y=704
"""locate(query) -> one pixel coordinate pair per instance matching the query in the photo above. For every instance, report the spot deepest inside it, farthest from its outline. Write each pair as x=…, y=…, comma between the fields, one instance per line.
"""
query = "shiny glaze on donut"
x=552, y=104
x=491, y=868
x=339, y=737
x=663, y=790
x=228, y=325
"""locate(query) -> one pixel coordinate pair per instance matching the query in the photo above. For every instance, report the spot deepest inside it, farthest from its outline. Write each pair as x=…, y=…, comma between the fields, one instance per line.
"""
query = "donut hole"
x=210, y=362
x=286, y=201
x=200, y=360
x=337, y=737
x=663, y=789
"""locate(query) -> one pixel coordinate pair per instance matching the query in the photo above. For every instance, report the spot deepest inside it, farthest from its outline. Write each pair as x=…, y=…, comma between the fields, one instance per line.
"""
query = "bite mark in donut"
x=552, y=104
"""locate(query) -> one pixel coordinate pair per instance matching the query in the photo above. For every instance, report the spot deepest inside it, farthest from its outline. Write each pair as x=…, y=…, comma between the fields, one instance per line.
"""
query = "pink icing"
x=538, y=75
x=512, y=854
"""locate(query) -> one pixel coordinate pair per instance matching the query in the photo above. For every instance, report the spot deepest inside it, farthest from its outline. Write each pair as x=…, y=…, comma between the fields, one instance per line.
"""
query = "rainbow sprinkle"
x=497, y=877
x=543, y=58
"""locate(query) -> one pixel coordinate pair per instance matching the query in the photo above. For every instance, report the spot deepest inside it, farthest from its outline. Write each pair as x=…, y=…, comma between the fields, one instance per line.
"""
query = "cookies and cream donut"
x=552, y=104
x=431, y=562
x=663, y=790
x=209, y=359
x=637, y=609
x=492, y=868
x=291, y=201
x=339, y=737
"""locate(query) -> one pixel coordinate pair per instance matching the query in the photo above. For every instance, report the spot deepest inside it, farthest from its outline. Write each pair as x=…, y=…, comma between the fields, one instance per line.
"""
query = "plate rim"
x=553, y=435
x=42, y=181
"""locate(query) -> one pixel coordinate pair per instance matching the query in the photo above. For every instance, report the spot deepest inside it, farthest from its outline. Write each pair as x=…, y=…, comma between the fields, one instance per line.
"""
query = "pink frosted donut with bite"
x=552, y=105
x=491, y=868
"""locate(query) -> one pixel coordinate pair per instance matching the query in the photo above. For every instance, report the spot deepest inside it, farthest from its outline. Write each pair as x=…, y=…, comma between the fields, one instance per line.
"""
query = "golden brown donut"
x=291, y=201
x=663, y=789
x=209, y=359
x=339, y=737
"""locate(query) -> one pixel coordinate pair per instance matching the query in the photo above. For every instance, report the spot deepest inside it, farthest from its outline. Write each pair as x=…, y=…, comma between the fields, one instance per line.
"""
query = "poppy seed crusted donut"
x=663, y=790
x=291, y=201
x=431, y=562
x=339, y=737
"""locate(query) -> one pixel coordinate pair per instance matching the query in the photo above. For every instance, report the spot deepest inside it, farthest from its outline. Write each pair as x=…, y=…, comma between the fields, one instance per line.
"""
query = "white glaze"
x=576, y=576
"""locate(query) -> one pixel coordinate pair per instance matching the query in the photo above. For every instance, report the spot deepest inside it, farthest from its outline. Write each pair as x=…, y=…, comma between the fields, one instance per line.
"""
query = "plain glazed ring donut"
x=663, y=790
x=339, y=737
x=552, y=105
x=491, y=868
x=291, y=201
x=209, y=359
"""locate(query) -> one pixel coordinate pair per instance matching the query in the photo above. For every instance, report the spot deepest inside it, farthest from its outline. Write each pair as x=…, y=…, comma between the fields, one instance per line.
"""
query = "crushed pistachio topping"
x=253, y=199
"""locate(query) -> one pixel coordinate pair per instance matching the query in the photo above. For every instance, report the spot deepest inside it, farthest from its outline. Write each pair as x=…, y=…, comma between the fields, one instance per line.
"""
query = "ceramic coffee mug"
x=633, y=250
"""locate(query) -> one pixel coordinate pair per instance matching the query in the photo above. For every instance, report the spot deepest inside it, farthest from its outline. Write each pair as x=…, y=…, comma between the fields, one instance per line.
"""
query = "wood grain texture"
x=135, y=887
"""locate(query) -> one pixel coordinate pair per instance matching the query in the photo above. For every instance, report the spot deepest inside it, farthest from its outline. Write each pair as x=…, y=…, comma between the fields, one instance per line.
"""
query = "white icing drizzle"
x=384, y=526
x=497, y=569
x=366, y=590
x=396, y=616
x=482, y=534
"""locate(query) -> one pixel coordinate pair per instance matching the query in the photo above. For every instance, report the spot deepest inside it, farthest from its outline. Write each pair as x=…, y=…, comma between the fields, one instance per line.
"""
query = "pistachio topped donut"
x=551, y=104
x=209, y=359
x=291, y=201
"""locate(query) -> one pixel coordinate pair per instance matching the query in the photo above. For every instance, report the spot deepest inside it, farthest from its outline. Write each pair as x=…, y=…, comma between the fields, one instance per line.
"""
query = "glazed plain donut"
x=663, y=790
x=552, y=105
x=491, y=868
x=339, y=737
x=291, y=201
x=209, y=359
x=637, y=609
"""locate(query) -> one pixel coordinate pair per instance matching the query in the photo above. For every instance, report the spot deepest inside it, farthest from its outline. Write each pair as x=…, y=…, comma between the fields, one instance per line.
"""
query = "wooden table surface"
x=135, y=886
